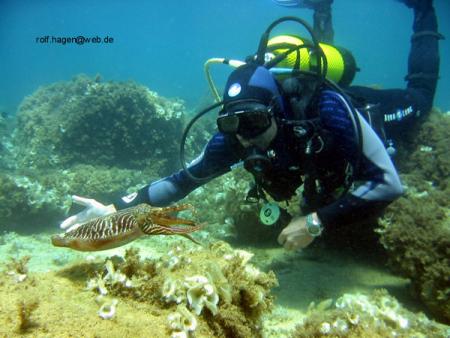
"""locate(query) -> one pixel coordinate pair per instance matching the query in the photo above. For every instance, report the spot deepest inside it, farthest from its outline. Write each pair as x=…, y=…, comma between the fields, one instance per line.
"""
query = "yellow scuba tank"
x=341, y=63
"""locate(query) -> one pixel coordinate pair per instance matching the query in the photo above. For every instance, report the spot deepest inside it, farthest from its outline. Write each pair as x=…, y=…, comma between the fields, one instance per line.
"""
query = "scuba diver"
x=288, y=132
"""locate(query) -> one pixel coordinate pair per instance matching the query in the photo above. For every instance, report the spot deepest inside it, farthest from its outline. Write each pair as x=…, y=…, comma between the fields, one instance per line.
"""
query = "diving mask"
x=247, y=123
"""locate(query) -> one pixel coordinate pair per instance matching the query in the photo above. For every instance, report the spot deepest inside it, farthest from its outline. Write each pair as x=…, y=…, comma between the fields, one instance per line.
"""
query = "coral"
x=356, y=315
x=250, y=290
x=173, y=291
x=220, y=282
x=230, y=322
x=218, y=285
x=102, y=123
x=201, y=293
x=108, y=309
x=181, y=322
x=109, y=279
x=132, y=265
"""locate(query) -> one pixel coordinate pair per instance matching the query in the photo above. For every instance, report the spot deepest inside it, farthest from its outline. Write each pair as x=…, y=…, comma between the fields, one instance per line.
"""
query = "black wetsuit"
x=378, y=182
x=395, y=109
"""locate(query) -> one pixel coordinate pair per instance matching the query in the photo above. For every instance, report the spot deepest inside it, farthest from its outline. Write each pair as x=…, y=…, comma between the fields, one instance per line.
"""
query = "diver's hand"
x=295, y=235
x=93, y=209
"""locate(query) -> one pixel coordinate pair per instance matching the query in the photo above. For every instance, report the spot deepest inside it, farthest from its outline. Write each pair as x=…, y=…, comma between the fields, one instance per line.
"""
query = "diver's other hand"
x=93, y=209
x=295, y=235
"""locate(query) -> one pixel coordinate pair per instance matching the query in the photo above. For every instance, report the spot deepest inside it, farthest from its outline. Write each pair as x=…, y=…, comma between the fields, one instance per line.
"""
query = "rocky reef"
x=377, y=315
x=217, y=286
x=86, y=137
x=416, y=228
x=42, y=197
x=189, y=291
x=85, y=120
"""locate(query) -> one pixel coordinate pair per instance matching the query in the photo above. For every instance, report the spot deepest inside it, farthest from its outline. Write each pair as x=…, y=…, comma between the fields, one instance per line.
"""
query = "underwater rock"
x=25, y=200
x=416, y=234
x=108, y=123
x=41, y=197
x=111, y=138
x=425, y=153
x=6, y=147
x=216, y=287
x=415, y=230
x=375, y=315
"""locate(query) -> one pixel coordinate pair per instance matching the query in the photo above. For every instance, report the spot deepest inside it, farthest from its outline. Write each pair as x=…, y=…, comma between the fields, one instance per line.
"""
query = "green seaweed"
x=122, y=124
x=25, y=311
x=416, y=229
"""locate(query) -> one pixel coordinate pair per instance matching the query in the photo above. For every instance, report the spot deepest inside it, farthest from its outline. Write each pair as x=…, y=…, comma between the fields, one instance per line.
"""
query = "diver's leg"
x=323, y=23
x=398, y=106
x=423, y=63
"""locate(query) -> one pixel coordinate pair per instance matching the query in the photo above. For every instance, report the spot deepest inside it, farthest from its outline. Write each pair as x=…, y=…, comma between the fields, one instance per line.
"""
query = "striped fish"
x=124, y=226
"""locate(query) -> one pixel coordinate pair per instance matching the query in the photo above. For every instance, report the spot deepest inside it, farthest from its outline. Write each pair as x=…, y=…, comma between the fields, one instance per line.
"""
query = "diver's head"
x=252, y=104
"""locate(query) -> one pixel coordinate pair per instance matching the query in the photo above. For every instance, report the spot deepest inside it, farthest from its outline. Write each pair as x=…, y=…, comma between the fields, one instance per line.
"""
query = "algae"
x=376, y=315
x=122, y=124
x=232, y=294
x=86, y=137
x=415, y=230
x=124, y=296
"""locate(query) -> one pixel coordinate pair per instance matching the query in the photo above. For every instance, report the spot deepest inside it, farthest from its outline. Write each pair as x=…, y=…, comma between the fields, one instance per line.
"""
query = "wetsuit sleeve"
x=215, y=160
x=378, y=181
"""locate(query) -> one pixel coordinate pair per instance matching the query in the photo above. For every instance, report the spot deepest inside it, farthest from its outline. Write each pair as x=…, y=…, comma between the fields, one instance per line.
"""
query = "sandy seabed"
x=50, y=302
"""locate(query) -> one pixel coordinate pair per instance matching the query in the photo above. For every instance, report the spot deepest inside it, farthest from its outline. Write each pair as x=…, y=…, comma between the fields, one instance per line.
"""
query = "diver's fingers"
x=292, y=245
x=88, y=213
x=73, y=227
x=87, y=202
x=282, y=237
x=68, y=222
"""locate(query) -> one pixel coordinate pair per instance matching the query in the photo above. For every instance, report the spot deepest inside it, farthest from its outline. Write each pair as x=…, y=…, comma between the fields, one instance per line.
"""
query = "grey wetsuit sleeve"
x=215, y=160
